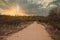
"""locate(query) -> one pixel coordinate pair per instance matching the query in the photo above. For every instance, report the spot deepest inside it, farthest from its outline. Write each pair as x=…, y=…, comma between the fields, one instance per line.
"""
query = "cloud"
x=38, y=7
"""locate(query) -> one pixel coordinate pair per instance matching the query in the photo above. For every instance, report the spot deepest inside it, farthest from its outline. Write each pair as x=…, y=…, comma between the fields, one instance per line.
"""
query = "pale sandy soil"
x=34, y=31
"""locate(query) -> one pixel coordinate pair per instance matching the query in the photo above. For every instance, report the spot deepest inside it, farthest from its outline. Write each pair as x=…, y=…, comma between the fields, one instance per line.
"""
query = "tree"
x=54, y=17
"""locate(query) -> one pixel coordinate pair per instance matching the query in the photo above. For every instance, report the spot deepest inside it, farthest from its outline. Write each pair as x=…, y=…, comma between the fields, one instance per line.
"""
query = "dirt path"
x=32, y=32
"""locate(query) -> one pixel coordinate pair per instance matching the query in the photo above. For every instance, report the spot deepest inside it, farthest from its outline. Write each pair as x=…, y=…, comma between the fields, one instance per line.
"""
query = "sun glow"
x=14, y=11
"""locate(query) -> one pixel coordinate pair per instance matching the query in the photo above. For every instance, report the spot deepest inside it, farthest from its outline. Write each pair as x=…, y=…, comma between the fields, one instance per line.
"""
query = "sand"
x=34, y=31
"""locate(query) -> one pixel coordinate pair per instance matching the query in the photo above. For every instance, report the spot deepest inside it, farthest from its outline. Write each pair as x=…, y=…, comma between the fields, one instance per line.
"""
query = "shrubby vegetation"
x=9, y=23
x=53, y=19
x=53, y=22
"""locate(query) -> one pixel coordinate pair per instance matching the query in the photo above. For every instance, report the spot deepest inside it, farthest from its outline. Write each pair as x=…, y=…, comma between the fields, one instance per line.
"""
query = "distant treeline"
x=10, y=19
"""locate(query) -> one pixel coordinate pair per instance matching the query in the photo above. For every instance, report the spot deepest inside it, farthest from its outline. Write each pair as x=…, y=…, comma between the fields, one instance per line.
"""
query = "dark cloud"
x=56, y=2
x=28, y=6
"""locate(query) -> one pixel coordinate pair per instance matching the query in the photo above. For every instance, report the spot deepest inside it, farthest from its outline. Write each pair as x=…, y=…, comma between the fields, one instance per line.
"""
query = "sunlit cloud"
x=14, y=11
x=26, y=7
x=45, y=3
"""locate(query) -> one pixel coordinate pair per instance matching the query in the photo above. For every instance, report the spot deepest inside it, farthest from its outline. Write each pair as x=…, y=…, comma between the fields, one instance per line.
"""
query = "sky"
x=27, y=7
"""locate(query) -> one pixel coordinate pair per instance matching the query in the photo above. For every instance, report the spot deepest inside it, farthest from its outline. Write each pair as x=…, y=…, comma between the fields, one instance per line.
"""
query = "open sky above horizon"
x=27, y=7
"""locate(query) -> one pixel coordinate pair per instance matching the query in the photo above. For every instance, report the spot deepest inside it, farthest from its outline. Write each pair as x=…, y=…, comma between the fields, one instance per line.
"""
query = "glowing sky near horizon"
x=25, y=7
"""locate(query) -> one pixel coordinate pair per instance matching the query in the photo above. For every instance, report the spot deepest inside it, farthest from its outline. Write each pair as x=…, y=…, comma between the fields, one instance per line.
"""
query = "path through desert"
x=34, y=31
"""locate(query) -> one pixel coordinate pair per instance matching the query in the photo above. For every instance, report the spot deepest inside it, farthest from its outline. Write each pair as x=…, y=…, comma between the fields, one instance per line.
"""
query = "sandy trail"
x=32, y=32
